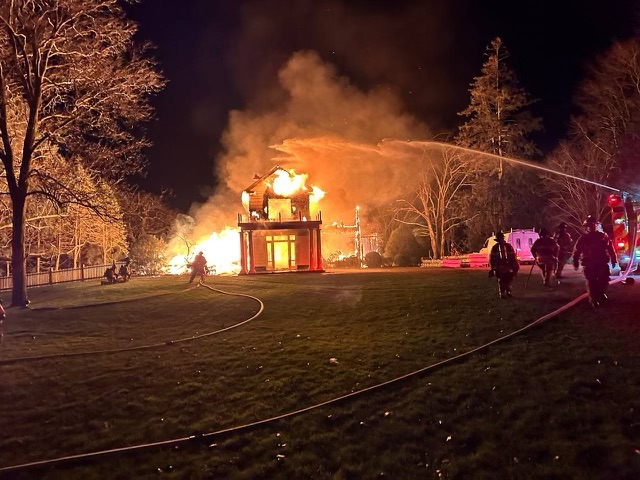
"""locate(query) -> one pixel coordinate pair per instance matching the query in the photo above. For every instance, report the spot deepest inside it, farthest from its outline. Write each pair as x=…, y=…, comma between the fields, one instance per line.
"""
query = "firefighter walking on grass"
x=545, y=251
x=565, y=244
x=595, y=251
x=504, y=265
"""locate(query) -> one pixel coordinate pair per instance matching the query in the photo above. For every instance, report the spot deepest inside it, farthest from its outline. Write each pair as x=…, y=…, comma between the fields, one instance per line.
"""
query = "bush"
x=349, y=262
x=373, y=260
x=147, y=255
x=401, y=260
x=91, y=254
x=402, y=242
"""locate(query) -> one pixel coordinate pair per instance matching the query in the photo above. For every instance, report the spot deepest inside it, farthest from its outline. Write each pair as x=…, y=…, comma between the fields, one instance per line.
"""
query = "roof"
x=261, y=179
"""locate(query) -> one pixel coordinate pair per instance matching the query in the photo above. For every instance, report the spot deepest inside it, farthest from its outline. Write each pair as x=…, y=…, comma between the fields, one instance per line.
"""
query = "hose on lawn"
x=150, y=345
x=246, y=426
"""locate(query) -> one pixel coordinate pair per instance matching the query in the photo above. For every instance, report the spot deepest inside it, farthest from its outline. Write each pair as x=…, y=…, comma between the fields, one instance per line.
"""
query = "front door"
x=281, y=252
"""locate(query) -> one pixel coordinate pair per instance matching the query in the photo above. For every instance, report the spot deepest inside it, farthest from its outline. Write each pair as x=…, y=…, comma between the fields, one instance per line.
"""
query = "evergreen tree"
x=498, y=123
x=403, y=248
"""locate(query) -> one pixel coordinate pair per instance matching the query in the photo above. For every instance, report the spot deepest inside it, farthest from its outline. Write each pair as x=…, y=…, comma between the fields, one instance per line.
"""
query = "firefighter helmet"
x=544, y=232
x=499, y=236
x=590, y=224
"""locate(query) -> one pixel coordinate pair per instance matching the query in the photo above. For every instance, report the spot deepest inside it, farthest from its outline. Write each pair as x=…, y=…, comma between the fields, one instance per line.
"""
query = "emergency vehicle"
x=521, y=241
x=625, y=213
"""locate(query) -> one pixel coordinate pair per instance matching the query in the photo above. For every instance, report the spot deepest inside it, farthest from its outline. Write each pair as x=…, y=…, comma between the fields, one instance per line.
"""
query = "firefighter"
x=595, y=251
x=198, y=267
x=110, y=274
x=504, y=265
x=125, y=270
x=545, y=251
x=565, y=242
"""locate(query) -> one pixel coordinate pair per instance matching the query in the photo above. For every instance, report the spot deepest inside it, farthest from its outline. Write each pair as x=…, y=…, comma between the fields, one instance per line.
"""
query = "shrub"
x=349, y=262
x=147, y=255
x=403, y=242
x=401, y=260
x=373, y=260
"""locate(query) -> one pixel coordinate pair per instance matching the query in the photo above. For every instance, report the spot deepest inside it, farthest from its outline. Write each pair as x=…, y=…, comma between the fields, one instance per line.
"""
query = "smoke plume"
x=320, y=125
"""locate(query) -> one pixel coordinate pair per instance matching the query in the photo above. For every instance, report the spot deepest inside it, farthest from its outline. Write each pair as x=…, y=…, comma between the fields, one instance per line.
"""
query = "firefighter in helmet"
x=504, y=264
x=565, y=242
x=198, y=267
x=595, y=251
x=545, y=251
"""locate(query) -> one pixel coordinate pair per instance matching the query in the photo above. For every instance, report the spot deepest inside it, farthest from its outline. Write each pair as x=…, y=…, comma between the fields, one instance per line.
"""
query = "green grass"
x=559, y=401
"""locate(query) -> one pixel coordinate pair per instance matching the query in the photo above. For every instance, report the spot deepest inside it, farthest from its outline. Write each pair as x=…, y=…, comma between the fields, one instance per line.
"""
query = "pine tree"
x=499, y=123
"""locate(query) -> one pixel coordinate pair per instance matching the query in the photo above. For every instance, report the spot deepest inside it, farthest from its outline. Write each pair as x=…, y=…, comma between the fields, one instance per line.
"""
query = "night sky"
x=414, y=59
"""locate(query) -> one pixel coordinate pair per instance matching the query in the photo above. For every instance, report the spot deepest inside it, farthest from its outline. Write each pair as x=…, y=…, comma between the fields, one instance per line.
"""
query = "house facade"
x=277, y=233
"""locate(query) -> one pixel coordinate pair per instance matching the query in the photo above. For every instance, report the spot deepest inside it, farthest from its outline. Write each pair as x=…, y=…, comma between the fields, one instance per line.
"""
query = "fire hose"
x=333, y=401
x=632, y=222
x=151, y=345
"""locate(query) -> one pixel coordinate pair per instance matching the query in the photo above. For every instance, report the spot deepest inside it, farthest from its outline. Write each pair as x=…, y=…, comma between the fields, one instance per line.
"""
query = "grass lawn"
x=560, y=400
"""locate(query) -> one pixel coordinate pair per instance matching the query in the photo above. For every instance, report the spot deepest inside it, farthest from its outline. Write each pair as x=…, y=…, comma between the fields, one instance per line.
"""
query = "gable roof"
x=251, y=188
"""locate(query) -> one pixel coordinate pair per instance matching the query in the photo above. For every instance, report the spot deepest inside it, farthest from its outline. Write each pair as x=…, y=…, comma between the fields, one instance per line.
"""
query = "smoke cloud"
x=323, y=126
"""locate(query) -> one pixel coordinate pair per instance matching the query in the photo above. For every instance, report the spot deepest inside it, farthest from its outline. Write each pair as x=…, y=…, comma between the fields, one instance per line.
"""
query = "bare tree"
x=434, y=210
x=73, y=85
x=603, y=138
x=145, y=213
x=572, y=200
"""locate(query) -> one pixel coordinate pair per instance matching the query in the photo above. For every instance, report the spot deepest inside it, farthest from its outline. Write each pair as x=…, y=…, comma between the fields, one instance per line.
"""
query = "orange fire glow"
x=288, y=183
x=221, y=249
x=316, y=195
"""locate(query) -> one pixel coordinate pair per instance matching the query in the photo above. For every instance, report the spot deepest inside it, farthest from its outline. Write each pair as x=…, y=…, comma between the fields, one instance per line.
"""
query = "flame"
x=245, y=200
x=316, y=194
x=221, y=249
x=288, y=183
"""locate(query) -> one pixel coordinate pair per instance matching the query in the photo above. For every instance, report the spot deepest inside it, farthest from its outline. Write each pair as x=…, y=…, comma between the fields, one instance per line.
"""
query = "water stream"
x=441, y=145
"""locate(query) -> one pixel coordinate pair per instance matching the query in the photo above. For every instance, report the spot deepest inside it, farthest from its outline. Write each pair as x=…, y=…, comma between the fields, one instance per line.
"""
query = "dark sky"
x=224, y=55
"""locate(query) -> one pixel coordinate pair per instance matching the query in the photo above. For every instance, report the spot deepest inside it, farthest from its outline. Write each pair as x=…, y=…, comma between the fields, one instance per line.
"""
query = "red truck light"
x=614, y=200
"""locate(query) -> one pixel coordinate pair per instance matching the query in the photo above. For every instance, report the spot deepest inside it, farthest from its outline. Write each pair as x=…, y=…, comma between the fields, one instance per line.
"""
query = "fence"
x=57, y=276
x=468, y=260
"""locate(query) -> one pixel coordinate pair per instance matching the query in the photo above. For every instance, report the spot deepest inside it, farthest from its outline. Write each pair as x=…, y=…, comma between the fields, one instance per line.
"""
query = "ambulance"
x=521, y=241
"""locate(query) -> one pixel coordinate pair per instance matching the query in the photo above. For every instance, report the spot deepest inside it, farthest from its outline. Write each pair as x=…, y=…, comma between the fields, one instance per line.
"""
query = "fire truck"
x=625, y=213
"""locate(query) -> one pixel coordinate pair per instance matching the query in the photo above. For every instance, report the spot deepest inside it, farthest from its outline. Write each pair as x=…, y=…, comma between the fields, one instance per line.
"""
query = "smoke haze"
x=322, y=126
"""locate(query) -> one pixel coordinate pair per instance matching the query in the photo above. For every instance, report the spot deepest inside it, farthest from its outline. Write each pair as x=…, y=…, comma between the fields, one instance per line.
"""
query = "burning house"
x=349, y=241
x=277, y=234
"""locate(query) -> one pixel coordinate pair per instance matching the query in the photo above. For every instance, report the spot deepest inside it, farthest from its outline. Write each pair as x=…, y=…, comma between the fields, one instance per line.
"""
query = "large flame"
x=221, y=249
x=288, y=183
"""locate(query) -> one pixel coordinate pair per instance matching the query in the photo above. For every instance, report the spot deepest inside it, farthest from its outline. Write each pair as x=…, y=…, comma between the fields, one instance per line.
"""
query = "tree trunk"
x=18, y=259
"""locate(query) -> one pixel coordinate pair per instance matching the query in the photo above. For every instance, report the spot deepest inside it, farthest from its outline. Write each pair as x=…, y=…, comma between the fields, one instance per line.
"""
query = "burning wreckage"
x=282, y=229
